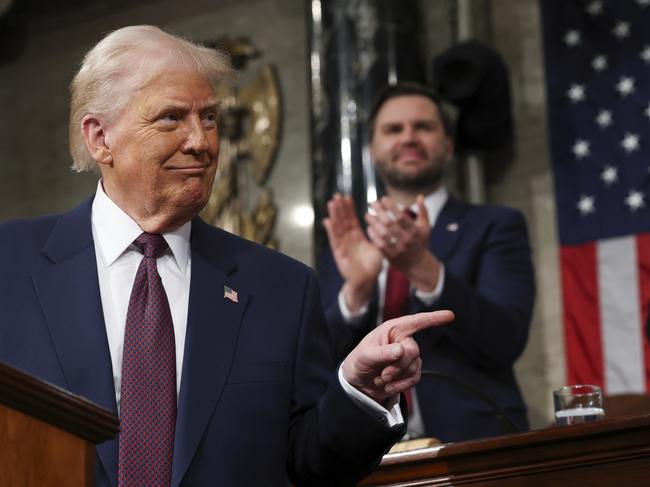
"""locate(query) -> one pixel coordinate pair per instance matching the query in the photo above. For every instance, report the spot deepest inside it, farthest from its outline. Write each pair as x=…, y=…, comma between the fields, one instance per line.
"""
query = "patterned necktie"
x=148, y=391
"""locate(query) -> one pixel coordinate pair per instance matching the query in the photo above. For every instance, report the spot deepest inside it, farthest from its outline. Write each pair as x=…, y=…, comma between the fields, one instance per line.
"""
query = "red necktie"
x=148, y=391
x=396, y=304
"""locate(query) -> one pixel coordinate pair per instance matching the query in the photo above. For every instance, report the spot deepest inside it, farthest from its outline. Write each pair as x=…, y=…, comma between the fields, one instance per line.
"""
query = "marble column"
x=356, y=48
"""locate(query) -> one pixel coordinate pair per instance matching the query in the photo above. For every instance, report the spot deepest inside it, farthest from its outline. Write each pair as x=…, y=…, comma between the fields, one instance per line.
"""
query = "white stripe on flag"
x=618, y=286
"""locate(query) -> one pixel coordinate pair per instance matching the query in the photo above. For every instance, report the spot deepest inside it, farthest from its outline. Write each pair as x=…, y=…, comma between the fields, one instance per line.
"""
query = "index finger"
x=405, y=326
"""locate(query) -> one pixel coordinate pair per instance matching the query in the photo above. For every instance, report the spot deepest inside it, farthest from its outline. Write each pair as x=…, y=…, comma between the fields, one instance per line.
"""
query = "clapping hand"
x=358, y=260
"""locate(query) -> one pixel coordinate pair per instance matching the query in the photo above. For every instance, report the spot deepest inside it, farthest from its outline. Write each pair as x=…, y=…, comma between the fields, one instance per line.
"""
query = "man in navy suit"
x=253, y=396
x=473, y=260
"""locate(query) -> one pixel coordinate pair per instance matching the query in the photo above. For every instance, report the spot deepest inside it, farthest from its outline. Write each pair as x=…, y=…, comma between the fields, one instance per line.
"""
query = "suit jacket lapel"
x=68, y=292
x=448, y=227
x=213, y=325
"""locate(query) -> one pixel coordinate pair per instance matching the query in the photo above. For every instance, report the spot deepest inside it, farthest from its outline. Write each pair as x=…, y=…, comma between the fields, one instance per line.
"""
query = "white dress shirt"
x=118, y=260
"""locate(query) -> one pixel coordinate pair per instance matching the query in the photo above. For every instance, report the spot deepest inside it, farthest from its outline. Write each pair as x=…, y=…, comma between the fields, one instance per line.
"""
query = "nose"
x=196, y=141
x=408, y=135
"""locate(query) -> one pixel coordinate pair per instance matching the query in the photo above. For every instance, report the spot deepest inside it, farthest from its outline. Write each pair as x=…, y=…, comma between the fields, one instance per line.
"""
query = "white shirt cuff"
x=430, y=297
x=351, y=317
x=390, y=417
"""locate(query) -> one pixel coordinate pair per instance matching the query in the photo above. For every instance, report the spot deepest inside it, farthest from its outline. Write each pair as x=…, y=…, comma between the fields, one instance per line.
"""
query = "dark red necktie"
x=148, y=391
x=396, y=302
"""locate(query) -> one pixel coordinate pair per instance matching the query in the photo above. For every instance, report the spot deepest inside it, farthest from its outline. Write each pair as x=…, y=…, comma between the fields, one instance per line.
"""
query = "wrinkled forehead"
x=167, y=82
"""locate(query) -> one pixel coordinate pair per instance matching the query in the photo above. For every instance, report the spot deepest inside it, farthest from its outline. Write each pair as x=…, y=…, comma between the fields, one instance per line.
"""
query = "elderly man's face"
x=409, y=146
x=164, y=149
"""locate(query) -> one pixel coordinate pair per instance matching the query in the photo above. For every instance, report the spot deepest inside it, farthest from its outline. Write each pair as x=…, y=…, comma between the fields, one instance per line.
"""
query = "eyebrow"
x=400, y=123
x=214, y=103
x=171, y=105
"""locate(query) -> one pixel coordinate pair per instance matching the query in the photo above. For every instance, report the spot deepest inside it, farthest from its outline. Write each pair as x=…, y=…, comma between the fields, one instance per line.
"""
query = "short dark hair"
x=406, y=88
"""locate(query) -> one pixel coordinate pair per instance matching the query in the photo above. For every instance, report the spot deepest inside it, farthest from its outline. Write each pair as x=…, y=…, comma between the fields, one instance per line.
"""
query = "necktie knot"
x=411, y=214
x=151, y=244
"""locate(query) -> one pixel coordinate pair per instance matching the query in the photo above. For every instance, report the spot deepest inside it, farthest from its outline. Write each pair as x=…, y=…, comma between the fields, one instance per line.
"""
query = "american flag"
x=597, y=59
x=230, y=294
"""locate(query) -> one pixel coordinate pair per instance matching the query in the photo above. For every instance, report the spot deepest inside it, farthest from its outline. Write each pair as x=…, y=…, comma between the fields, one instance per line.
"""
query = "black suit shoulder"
x=246, y=253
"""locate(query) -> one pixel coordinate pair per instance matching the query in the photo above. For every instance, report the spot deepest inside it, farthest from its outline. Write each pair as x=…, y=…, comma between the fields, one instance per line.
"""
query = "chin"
x=190, y=199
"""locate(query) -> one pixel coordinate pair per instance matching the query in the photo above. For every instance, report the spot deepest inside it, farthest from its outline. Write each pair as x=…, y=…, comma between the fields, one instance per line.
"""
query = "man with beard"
x=426, y=250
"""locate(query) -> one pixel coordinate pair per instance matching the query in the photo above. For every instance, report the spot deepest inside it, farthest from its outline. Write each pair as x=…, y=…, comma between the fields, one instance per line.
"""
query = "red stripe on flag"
x=582, y=333
x=643, y=257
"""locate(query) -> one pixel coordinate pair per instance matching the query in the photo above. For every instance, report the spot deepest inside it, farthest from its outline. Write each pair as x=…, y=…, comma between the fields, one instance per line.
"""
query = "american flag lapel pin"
x=452, y=227
x=230, y=294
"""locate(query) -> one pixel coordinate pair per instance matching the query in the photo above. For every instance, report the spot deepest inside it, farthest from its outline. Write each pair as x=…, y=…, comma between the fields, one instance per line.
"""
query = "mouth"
x=189, y=170
x=410, y=154
x=409, y=159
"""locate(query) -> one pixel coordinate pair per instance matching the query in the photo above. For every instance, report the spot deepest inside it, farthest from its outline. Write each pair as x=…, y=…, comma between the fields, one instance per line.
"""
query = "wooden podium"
x=611, y=452
x=48, y=435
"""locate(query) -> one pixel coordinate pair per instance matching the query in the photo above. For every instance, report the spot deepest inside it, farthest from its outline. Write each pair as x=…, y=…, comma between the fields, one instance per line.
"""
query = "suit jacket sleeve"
x=493, y=296
x=336, y=442
x=344, y=336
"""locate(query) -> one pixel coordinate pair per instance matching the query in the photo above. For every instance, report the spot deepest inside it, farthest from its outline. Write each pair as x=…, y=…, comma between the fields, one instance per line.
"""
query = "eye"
x=209, y=119
x=427, y=126
x=392, y=129
x=169, y=117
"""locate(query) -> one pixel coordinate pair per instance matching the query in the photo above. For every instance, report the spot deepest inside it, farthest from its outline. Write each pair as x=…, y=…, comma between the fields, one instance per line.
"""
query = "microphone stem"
x=509, y=426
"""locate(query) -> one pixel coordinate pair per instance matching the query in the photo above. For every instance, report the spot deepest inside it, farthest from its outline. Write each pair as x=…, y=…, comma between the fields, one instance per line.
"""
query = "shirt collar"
x=114, y=231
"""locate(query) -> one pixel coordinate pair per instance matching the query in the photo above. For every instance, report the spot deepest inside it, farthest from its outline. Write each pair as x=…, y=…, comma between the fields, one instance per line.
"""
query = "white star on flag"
x=604, y=118
x=581, y=148
x=630, y=143
x=625, y=86
x=586, y=205
x=645, y=54
x=621, y=30
x=609, y=175
x=572, y=38
x=595, y=8
x=647, y=111
x=643, y=3
x=576, y=93
x=635, y=200
x=599, y=63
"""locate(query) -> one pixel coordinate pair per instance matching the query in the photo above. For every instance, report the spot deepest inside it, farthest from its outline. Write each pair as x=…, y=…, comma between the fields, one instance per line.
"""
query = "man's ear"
x=94, y=134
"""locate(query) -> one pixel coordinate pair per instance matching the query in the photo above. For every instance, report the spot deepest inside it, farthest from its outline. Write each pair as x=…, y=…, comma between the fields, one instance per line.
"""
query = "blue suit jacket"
x=259, y=401
x=489, y=284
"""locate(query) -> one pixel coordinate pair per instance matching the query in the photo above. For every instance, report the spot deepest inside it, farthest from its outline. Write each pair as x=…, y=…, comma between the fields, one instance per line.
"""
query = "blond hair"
x=122, y=62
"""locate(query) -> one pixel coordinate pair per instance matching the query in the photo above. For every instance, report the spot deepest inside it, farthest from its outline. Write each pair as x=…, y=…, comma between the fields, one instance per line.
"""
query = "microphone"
x=508, y=425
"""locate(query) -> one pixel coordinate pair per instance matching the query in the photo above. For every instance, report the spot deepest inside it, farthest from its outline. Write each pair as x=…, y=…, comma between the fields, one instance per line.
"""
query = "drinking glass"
x=578, y=404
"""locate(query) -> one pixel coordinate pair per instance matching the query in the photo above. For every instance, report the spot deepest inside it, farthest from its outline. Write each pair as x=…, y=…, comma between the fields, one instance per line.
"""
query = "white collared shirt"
x=117, y=262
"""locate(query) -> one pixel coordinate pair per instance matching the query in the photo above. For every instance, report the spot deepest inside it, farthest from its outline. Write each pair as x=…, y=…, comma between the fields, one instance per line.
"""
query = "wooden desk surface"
x=611, y=452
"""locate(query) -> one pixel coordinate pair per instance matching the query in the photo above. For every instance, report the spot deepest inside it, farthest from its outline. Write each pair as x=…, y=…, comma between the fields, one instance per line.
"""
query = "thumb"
x=423, y=215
